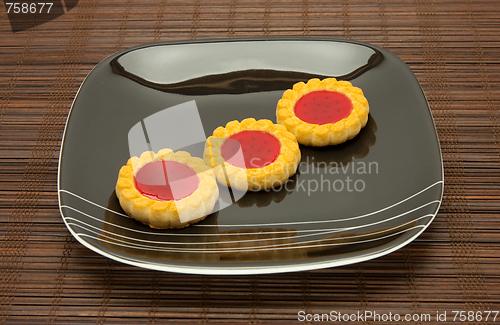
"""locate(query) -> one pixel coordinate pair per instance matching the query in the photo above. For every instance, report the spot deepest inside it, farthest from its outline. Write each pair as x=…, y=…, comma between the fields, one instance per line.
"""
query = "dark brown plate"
x=349, y=203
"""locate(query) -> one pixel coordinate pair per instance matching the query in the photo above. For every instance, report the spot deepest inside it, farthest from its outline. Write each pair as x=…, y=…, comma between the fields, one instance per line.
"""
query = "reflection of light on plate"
x=218, y=70
x=163, y=67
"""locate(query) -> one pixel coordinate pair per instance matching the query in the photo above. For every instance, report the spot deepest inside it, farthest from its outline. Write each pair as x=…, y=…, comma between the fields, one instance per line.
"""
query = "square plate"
x=346, y=204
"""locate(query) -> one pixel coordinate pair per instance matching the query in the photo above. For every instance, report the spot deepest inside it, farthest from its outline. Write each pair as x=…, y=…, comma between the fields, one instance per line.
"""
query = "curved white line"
x=253, y=249
x=331, y=230
x=93, y=203
x=285, y=223
x=102, y=231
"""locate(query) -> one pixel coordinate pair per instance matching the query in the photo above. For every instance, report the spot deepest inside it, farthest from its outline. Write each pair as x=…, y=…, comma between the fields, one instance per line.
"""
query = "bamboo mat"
x=48, y=277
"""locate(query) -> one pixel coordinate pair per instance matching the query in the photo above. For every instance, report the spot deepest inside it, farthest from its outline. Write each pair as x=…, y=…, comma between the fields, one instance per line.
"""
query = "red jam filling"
x=258, y=149
x=323, y=107
x=166, y=180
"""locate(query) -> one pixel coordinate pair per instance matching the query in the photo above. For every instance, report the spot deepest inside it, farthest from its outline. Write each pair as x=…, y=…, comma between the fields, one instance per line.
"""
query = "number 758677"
x=28, y=8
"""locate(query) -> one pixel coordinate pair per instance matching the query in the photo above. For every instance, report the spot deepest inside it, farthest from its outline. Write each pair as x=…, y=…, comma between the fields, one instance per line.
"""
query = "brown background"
x=48, y=277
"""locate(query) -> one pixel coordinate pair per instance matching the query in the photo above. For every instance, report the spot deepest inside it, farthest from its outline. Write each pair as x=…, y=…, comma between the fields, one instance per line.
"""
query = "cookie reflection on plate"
x=270, y=244
x=259, y=244
x=344, y=153
x=128, y=236
x=343, y=243
x=265, y=198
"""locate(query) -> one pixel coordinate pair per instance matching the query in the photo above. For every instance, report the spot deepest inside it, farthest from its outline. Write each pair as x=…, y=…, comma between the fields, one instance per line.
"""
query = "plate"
x=349, y=203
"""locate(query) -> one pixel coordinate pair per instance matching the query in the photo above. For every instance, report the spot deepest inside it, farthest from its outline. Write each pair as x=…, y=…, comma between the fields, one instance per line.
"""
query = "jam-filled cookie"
x=252, y=155
x=323, y=112
x=167, y=189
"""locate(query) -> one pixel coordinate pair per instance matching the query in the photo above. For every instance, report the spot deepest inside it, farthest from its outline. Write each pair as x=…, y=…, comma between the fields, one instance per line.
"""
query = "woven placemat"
x=48, y=277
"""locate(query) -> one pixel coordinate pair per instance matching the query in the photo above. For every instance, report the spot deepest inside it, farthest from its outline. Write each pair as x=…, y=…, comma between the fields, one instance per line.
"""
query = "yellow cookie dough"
x=256, y=179
x=320, y=135
x=162, y=214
